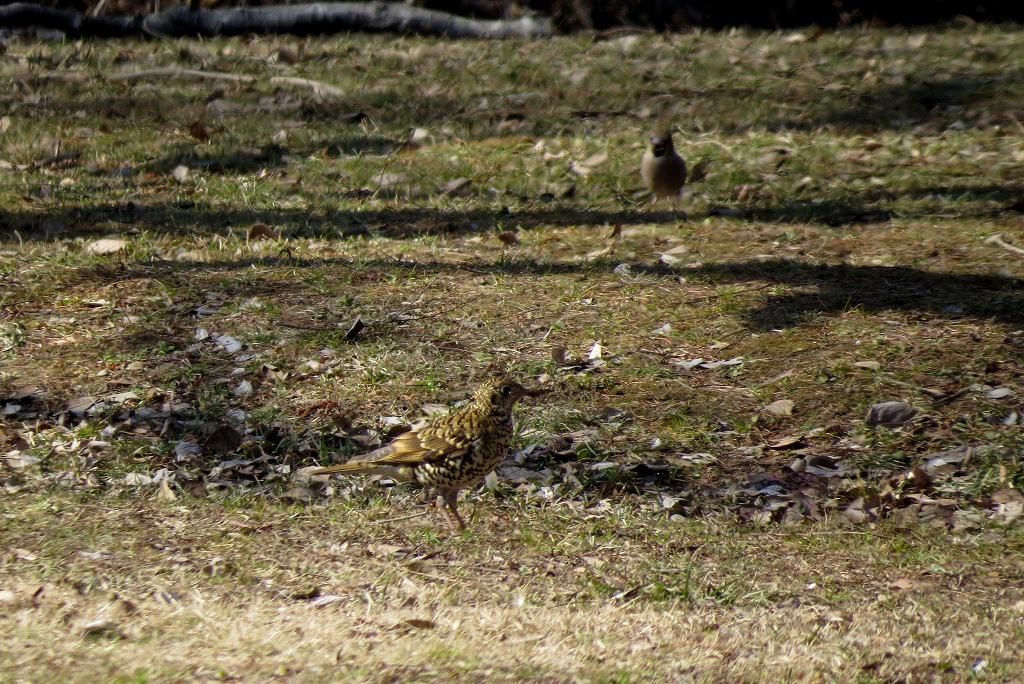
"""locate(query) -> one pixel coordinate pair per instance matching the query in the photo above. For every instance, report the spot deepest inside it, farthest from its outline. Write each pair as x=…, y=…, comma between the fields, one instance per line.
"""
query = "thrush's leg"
x=450, y=497
x=442, y=506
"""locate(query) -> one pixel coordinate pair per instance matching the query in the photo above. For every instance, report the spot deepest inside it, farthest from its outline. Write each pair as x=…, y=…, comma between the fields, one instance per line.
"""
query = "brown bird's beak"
x=659, y=145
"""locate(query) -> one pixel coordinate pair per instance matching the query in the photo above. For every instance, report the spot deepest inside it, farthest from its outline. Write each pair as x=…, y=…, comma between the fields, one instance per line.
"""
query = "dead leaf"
x=916, y=42
x=353, y=331
x=300, y=493
x=106, y=628
x=126, y=607
x=612, y=242
x=81, y=405
x=222, y=440
x=559, y=356
x=906, y=584
x=947, y=461
x=1007, y=505
x=186, y=451
x=180, y=173
x=822, y=465
x=418, y=137
x=326, y=600
x=382, y=550
x=457, y=187
x=792, y=442
x=137, y=479
x=518, y=475
x=420, y=623
x=780, y=407
x=228, y=343
x=165, y=493
x=890, y=414
x=870, y=365
x=699, y=171
x=198, y=130
x=389, y=180
x=106, y=245
x=966, y=520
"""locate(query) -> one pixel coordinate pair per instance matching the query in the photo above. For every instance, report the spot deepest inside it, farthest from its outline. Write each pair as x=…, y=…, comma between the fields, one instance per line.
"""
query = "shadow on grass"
x=923, y=100
x=253, y=159
x=185, y=218
x=927, y=97
x=872, y=289
x=55, y=219
x=824, y=289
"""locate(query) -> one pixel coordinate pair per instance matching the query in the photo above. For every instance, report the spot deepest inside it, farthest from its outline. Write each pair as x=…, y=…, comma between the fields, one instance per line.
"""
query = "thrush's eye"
x=506, y=390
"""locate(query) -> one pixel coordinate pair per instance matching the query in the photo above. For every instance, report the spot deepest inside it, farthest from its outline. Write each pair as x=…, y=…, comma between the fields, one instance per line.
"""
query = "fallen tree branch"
x=23, y=15
x=998, y=240
x=302, y=19
x=337, y=17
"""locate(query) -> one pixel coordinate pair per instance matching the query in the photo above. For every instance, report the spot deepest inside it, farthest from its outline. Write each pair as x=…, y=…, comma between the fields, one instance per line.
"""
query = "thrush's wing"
x=429, y=445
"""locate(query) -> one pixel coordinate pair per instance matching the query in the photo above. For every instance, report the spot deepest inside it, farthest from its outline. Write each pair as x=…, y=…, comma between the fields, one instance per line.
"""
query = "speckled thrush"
x=454, y=452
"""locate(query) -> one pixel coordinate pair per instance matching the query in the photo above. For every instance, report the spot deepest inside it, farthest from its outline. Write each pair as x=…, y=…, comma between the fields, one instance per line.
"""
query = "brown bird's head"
x=661, y=143
x=500, y=393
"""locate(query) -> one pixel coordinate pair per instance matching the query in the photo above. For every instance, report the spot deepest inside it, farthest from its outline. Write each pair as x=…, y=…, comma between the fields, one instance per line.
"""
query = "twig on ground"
x=319, y=87
x=402, y=517
x=315, y=328
x=178, y=72
x=57, y=160
x=998, y=241
x=935, y=394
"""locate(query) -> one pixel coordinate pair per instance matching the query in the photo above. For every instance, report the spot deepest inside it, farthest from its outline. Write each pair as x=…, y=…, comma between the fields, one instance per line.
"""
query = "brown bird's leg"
x=675, y=207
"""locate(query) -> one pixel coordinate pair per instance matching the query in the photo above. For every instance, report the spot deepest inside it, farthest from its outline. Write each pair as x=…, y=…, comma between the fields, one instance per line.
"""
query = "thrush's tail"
x=363, y=463
x=350, y=467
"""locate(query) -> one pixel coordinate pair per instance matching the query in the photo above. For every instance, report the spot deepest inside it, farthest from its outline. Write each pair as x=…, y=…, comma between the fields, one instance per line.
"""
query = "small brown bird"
x=663, y=170
x=454, y=452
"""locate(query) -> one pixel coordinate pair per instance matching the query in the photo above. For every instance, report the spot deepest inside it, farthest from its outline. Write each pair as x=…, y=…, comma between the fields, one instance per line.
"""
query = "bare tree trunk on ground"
x=304, y=19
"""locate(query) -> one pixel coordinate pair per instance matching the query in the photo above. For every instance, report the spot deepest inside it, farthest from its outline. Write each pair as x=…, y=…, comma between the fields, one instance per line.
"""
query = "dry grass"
x=862, y=241
x=200, y=591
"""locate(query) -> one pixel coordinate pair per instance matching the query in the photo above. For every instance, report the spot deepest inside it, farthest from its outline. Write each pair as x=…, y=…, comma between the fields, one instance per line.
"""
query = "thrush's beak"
x=658, y=146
